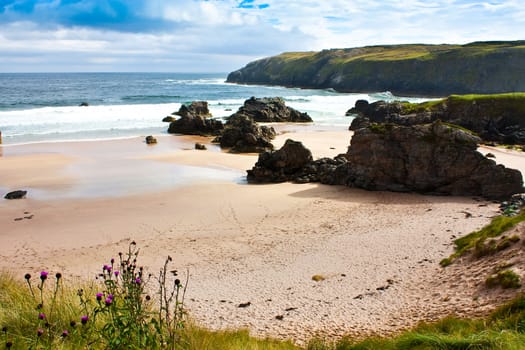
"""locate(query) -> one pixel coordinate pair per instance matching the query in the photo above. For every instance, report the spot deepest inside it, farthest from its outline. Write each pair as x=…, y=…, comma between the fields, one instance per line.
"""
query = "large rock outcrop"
x=432, y=159
x=195, y=120
x=272, y=110
x=242, y=134
x=499, y=117
x=431, y=70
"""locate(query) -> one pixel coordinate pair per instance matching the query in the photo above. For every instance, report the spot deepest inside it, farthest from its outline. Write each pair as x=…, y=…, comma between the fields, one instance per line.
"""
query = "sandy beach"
x=378, y=252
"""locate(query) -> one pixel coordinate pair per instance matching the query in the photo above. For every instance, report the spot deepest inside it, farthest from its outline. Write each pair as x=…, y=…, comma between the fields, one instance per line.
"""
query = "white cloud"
x=219, y=36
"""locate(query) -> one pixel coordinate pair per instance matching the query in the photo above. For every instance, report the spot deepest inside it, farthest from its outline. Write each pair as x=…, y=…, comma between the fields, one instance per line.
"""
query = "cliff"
x=432, y=70
x=495, y=117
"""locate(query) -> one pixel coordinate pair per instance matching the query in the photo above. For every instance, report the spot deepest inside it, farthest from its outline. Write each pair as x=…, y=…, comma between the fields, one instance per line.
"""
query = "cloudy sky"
x=224, y=35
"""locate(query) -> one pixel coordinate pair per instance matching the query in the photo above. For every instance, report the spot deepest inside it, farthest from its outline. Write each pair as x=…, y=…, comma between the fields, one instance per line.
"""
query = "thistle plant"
x=116, y=313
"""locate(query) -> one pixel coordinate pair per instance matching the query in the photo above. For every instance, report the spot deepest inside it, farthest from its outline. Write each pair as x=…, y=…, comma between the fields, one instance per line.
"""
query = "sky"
x=224, y=35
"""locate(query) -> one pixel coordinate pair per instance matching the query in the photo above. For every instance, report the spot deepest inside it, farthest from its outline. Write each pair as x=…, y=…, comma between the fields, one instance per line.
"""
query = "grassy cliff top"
x=404, y=51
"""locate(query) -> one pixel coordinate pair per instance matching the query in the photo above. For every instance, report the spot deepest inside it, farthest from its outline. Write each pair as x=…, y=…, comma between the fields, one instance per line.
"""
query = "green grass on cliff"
x=477, y=239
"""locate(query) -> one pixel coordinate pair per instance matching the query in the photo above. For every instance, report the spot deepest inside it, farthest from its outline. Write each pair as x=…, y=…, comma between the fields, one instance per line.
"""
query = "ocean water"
x=43, y=107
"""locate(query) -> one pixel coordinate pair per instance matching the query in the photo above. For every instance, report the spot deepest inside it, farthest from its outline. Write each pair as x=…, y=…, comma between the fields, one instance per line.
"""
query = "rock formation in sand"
x=431, y=158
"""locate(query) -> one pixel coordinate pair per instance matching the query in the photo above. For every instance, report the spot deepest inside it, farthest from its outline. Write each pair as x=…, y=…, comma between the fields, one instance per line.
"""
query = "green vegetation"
x=483, y=67
x=115, y=312
x=477, y=240
x=505, y=279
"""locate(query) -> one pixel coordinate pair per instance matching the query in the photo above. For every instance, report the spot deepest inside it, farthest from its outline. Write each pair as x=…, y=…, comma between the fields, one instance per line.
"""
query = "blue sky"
x=223, y=35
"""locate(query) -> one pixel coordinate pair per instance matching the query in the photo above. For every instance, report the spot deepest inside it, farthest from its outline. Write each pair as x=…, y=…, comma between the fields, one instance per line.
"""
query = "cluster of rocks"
x=240, y=133
x=430, y=158
x=195, y=120
x=294, y=162
x=492, y=120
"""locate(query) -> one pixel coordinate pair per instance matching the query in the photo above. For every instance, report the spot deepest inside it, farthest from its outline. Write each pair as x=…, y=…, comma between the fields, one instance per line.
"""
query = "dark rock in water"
x=200, y=146
x=271, y=110
x=18, y=194
x=83, y=104
x=195, y=108
x=150, y=140
x=195, y=121
x=432, y=158
x=242, y=134
x=169, y=119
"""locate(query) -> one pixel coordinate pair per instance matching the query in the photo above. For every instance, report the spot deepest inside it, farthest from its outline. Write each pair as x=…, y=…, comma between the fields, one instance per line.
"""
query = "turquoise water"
x=41, y=107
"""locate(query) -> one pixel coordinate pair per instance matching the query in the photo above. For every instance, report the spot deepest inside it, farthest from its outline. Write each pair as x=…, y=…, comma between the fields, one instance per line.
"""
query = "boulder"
x=435, y=158
x=272, y=110
x=242, y=134
x=150, y=140
x=18, y=194
x=200, y=146
x=195, y=108
x=293, y=162
x=83, y=104
x=281, y=165
x=194, y=120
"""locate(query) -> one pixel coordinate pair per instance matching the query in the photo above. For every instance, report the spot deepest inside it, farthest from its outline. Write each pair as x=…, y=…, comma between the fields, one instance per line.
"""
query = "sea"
x=46, y=107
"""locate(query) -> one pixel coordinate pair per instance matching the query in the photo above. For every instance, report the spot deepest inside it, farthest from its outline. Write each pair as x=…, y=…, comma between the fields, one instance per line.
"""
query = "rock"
x=83, y=104
x=200, y=146
x=490, y=155
x=384, y=112
x=169, y=119
x=433, y=158
x=18, y=194
x=272, y=110
x=282, y=165
x=195, y=108
x=242, y=134
x=150, y=140
x=195, y=121
x=495, y=118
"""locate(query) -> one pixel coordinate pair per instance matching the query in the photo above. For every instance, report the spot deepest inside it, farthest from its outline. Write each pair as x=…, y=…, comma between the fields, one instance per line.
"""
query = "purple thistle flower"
x=99, y=296
x=84, y=319
x=108, y=301
x=41, y=316
x=117, y=273
x=110, y=296
x=39, y=332
x=137, y=280
x=65, y=333
x=43, y=275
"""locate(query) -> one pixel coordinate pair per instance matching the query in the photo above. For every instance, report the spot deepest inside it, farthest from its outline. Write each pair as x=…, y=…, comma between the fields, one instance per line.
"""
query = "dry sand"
x=378, y=252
